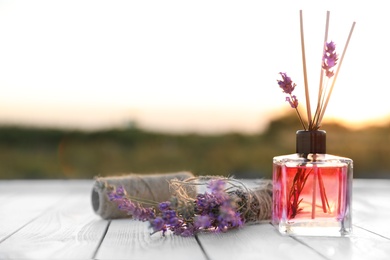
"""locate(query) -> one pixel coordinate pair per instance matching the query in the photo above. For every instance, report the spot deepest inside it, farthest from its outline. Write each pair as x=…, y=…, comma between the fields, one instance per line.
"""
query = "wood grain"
x=360, y=245
x=371, y=206
x=130, y=239
x=24, y=201
x=260, y=241
x=67, y=230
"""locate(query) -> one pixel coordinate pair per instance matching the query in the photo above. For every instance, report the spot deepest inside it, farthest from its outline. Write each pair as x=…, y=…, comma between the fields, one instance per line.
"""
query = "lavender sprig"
x=329, y=59
x=288, y=87
x=134, y=209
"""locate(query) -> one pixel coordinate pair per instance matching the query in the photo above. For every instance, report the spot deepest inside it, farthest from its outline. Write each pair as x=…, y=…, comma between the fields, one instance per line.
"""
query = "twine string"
x=151, y=194
x=255, y=203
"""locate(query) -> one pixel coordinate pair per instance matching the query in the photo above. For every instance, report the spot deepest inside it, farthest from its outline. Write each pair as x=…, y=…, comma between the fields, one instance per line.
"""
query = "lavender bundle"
x=226, y=204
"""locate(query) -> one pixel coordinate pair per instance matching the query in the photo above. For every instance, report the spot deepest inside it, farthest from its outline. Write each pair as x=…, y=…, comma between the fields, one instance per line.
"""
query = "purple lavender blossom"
x=164, y=205
x=216, y=210
x=329, y=59
x=119, y=193
x=169, y=220
x=158, y=224
x=228, y=217
x=293, y=101
x=170, y=217
x=185, y=230
x=286, y=83
x=216, y=185
x=288, y=87
x=203, y=222
x=133, y=209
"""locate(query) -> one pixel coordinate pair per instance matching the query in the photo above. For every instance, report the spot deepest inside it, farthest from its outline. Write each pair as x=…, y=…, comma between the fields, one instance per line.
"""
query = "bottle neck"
x=311, y=142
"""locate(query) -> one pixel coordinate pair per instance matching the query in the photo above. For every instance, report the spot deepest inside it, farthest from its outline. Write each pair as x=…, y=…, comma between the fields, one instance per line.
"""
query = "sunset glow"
x=204, y=66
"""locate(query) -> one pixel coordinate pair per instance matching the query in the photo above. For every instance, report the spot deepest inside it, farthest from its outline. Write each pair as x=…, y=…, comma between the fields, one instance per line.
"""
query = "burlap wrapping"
x=153, y=187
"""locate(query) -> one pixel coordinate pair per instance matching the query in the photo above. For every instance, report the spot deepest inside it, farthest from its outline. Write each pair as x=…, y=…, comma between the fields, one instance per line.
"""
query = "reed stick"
x=320, y=90
x=336, y=74
x=314, y=194
x=314, y=124
x=305, y=70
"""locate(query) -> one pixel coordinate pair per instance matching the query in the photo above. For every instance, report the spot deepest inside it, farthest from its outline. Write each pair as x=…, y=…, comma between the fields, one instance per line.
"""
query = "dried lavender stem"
x=305, y=70
x=336, y=74
x=300, y=119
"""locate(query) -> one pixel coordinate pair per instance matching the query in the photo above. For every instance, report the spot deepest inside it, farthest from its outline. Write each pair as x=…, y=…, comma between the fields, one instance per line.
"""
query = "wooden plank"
x=371, y=206
x=260, y=241
x=23, y=201
x=68, y=230
x=13, y=189
x=130, y=239
x=361, y=245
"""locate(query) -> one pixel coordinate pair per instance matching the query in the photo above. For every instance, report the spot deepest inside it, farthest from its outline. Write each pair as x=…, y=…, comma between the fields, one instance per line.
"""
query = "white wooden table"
x=54, y=220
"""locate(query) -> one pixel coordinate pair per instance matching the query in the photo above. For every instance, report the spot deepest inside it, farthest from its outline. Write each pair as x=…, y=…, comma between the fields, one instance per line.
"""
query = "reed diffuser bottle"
x=312, y=190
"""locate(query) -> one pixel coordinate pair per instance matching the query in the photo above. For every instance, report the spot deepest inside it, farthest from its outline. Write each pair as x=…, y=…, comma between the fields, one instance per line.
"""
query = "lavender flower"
x=293, y=101
x=286, y=83
x=164, y=205
x=158, y=224
x=203, y=222
x=133, y=209
x=216, y=209
x=329, y=59
x=217, y=185
x=170, y=218
x=288, y=87
x=228, y=217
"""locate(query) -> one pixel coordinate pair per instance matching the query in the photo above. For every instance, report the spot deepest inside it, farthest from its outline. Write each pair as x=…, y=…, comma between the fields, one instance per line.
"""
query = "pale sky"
x=203, y=66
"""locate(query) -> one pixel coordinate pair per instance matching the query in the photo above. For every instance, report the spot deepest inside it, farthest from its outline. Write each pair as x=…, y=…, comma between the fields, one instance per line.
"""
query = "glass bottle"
x=312, y=190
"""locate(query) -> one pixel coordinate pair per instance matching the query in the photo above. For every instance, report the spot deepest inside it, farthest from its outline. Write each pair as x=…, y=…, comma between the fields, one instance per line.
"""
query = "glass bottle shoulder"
x=311, y=158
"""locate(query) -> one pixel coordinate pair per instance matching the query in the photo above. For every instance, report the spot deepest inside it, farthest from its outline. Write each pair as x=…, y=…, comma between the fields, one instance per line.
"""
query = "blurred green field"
x=34, y=153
